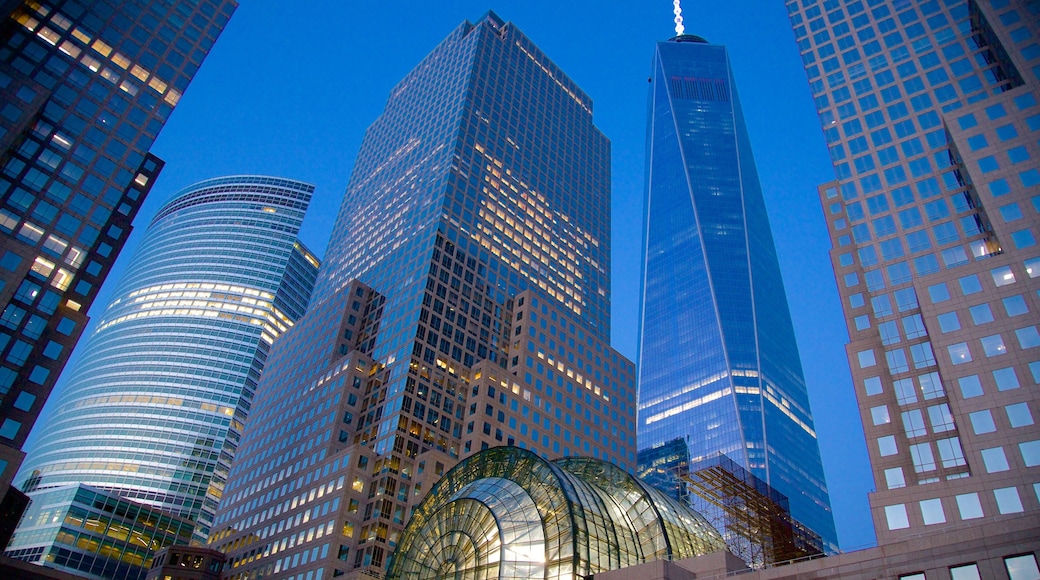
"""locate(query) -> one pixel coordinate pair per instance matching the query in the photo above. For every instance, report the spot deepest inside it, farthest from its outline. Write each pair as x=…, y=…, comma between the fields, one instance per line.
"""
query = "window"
x=965, y=572
x=1023, y=239
x=993, y=345
x=866, y=359
x=970, y=386
x=9, y=429
x=1015, y=305
x=1028, y=337
x=1008, y=501
x=922, y=457
x=932, y=511
x=880, y=415
x=969, y=506
x=950, y=452
x=970, y=285
x=949, y=322
x=887, y=445
x=913, y=326
x=1022, y=567
x=939, y=292
x=894, y=478
x=982, y=422
x=913, y=424
x=1002, y=276
x=905, y=392
x=1030, y=451
x=917, y=576
x=1006, y=379
x=897, y=520
x=981, y=314
x=922, y=355
x=931, y=386
x=940, y=418
x=1019, y=415
x=995, y=460
x=897, y=362
x=906, y=299
x=959, y=353
x=889, y=332
x=872, y=386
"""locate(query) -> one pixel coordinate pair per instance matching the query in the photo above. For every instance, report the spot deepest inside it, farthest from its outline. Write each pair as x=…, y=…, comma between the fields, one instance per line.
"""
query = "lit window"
x=1002, y=276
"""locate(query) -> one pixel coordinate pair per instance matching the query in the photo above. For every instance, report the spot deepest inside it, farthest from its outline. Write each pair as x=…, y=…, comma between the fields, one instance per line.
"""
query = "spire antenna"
x=677, y=10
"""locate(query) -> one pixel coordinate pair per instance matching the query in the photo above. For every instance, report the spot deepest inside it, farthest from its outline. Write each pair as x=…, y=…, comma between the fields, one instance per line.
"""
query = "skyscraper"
x=153, y=412
x=86, y=86
x=463, y=303
x=930, y=110
x=719, y=371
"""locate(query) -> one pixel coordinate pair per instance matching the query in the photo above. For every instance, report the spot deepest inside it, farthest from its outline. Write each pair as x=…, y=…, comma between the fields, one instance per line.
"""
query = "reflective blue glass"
x=719, y=370
x=154, y=410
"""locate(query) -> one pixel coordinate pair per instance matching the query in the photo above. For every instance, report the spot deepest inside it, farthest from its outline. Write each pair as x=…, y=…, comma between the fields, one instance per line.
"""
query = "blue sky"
x=289, y=89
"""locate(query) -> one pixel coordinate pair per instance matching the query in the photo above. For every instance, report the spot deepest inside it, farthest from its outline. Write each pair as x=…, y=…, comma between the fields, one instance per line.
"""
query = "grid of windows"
x=85, y=87
x=926, y=108
x=155, y=408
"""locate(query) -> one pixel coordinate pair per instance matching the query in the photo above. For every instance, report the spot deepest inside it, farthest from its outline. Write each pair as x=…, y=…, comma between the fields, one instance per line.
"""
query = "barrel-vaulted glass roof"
x=505, y=513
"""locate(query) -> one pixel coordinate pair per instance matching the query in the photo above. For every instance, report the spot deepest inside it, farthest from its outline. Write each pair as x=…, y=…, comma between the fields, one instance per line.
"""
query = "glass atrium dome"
x=506, y=513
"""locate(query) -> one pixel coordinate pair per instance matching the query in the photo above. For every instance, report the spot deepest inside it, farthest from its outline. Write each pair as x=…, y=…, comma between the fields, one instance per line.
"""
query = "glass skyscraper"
x=463, y=303
x=931, y=111
x=154, y=409
x=85, y=87
x=719, y=370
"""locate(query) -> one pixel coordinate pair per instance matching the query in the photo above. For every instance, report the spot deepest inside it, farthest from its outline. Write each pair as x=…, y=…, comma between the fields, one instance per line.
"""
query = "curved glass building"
x=154, y=409
x=506, y=513
x=719, y=370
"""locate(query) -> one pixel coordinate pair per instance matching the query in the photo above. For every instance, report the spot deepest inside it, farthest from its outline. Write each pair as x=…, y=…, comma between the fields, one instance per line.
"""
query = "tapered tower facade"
x=719, y=371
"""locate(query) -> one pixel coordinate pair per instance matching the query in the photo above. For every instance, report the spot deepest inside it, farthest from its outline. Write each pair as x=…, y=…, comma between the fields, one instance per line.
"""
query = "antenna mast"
x=677, y=10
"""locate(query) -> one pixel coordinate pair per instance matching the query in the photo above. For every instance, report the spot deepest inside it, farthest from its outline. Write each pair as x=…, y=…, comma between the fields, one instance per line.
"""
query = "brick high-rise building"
x=85, y=87
x=463, y=302
x=931, y=111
